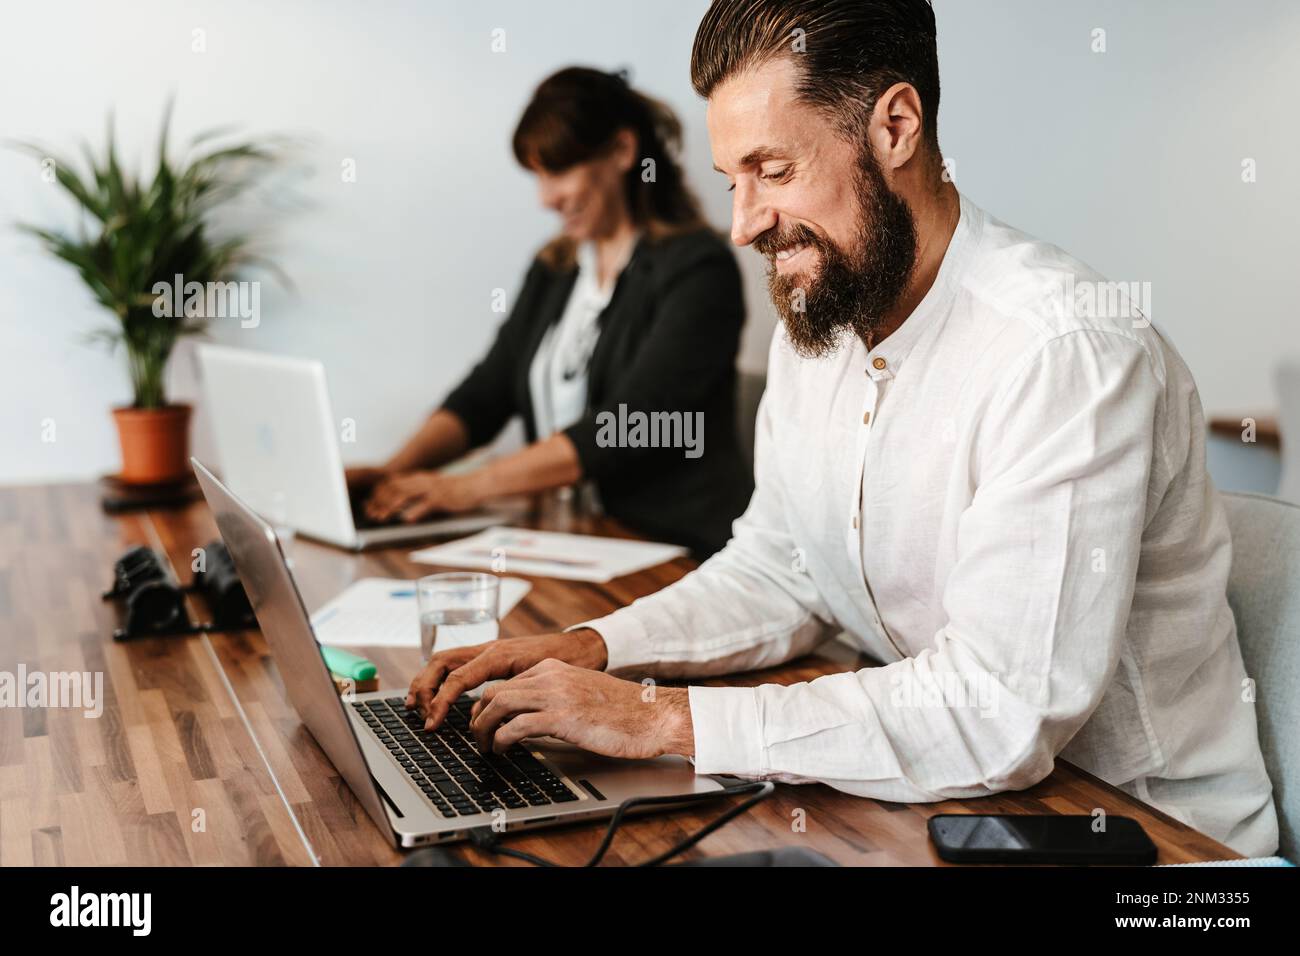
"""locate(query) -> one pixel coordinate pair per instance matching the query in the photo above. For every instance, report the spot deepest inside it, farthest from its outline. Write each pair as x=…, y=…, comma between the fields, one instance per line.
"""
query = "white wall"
x=1130, y=159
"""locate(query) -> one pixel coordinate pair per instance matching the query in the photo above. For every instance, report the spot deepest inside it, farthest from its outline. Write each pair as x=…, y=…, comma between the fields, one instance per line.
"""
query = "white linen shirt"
x=1006, y=503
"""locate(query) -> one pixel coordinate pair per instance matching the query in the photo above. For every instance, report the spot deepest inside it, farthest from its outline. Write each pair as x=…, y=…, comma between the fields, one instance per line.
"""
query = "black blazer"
x=668, y=343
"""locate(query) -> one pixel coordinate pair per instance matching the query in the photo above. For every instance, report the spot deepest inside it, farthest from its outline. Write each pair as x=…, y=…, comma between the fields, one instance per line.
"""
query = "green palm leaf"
x=134, y=232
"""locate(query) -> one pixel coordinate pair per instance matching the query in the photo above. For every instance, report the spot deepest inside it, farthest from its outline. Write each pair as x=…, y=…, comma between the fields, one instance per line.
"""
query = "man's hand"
x=453, y=672
x=418, y=494
x=588, y=709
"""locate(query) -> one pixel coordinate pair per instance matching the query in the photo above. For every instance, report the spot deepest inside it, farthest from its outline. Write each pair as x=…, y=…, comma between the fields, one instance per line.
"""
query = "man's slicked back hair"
x=846, y=52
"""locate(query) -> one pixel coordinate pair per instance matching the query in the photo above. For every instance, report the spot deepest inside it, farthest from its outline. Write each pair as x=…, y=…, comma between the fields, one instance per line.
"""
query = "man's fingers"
x=533, y=724
x=426, y=682
x=507, y=701
x=436, y=669
x=426, y=677
x=527, y=678
x=436, y=709
x=484, y=667
x=484, y=699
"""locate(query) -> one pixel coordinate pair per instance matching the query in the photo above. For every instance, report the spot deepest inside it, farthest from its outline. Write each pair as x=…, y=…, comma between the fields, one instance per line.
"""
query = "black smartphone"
x=1046, y=838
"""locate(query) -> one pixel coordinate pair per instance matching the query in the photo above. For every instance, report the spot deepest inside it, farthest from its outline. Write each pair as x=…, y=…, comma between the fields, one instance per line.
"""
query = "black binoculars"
x=155, y=601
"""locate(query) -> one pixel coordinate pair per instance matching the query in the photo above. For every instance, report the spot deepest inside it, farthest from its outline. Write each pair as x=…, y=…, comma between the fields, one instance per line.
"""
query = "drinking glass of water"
x=452, y=604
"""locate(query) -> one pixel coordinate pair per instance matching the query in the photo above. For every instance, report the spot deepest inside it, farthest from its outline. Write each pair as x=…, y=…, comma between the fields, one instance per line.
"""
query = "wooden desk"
x=202, y=724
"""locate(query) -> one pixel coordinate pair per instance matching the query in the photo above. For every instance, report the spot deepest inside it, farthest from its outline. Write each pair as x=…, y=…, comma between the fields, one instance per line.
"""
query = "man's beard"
x=846, y=291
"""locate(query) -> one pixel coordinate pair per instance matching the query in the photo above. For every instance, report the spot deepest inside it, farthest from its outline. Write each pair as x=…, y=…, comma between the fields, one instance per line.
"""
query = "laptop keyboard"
x=448, y=767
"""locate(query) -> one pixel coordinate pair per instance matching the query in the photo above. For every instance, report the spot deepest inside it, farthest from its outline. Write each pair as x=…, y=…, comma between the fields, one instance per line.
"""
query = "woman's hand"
x=418, y=494
x=362, y=478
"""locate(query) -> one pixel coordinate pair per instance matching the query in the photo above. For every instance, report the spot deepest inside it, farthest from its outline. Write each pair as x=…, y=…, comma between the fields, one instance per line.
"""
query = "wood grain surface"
x=198, y=758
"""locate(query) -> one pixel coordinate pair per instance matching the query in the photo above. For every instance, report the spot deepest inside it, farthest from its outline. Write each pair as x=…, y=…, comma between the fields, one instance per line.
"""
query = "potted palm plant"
x=136, y=241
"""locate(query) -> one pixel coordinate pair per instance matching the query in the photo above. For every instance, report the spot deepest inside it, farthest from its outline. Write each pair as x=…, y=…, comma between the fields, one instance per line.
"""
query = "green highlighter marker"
x=347, y=665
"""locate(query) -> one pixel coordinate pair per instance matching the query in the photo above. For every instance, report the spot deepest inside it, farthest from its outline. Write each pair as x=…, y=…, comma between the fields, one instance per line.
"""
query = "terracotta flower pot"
x=155, y=443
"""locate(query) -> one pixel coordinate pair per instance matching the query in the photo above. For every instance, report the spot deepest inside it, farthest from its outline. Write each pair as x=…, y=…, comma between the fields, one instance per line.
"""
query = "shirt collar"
x=885, y=359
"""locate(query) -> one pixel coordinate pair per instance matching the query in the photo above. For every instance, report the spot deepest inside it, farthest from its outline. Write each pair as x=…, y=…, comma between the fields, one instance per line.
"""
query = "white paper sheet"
x=382, y=612
x=549, y=554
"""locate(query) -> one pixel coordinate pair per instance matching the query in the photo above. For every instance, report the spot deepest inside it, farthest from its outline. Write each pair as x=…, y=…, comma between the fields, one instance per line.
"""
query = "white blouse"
x=557, y=378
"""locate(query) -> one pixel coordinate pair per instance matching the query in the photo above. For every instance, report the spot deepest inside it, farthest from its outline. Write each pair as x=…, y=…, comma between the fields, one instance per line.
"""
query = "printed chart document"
x=549, y=554
x=382, y=612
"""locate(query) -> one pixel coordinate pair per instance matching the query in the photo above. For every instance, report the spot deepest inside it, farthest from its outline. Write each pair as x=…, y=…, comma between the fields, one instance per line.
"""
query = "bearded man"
x=998, y=495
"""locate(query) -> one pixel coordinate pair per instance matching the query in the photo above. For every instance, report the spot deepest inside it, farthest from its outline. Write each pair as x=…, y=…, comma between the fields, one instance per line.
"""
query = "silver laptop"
x=418, y=786
x=278, y=444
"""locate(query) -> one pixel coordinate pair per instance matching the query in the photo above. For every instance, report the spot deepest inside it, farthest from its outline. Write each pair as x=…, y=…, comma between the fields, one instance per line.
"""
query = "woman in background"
x=635, y=307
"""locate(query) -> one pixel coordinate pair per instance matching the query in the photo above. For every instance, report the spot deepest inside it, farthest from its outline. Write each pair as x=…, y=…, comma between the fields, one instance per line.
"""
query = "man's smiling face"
x=840, y=244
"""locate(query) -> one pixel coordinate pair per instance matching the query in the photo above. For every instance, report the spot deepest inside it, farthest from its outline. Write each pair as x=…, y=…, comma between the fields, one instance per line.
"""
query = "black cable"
x=487, y=839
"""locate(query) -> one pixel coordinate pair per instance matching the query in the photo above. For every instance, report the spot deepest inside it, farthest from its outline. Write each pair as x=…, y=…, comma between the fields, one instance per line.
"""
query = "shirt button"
x=878, y=364
x=855, y=522
x=866, y=418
